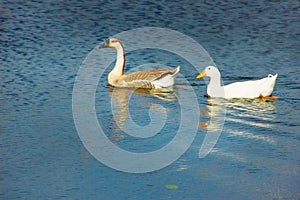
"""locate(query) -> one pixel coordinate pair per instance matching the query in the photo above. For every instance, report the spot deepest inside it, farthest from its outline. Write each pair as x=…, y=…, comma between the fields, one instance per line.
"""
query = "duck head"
x=113, y=43
x=210, y=71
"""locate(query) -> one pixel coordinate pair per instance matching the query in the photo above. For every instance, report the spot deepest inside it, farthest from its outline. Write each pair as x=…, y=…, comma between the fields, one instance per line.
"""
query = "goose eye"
x=270, y=76
x=209, y=68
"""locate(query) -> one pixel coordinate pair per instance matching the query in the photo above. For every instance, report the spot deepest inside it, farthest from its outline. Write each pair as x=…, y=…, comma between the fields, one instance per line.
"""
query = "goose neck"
x=120, y=62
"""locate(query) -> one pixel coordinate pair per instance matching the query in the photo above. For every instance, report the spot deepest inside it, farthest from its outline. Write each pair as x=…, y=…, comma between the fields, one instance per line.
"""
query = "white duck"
x=247, y=89
x=151, y=79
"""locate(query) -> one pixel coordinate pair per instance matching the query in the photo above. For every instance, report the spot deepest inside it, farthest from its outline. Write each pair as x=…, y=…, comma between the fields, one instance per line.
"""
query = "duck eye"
x=209, y=68
x=270, y=76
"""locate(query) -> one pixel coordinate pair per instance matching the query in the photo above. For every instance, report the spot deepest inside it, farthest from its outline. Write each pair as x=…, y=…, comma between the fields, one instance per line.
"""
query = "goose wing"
x=147, y=78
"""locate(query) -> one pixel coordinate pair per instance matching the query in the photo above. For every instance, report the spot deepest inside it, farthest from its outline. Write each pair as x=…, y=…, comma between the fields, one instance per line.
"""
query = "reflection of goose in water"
x=120, y=98
x=247, y=89
x=158, y=78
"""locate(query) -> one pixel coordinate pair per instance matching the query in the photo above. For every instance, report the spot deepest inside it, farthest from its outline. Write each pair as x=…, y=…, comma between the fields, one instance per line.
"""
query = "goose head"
x=113, y=43
x=210, y=71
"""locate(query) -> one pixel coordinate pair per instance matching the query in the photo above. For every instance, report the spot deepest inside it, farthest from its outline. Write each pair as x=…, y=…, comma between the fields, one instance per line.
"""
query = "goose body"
x=151, y=79
x=247, y=89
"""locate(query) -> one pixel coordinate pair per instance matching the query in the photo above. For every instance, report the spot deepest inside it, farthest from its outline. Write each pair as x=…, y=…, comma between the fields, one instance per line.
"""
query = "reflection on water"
x=215, y=112
x=238, y=114
x=256, y=109
x=121, y=105
x=230, y=155
x=253, y=136
x=215, y=109
x=255, y=112
x=120, y=99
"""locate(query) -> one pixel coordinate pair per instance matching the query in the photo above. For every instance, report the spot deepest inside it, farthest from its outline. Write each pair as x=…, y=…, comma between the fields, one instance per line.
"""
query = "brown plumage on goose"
x=151, y=79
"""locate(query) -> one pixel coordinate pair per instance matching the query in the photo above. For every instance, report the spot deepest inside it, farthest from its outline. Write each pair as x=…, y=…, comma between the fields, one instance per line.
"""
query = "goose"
x=148, y=79
x=247, y=89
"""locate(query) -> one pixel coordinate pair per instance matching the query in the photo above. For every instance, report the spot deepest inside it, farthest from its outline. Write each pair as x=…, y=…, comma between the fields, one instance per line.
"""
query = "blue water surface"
x=43, y=44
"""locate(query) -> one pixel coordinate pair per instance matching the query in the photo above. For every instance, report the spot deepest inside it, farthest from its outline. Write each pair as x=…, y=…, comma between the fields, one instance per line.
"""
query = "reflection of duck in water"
x=158, y=78
x=242, y=112
x=247, y=89
x=214, y=114
x=259, y=113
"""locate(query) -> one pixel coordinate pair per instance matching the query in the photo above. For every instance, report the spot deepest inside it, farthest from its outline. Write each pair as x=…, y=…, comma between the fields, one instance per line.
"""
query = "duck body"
x=149, y=79
x=247, y=89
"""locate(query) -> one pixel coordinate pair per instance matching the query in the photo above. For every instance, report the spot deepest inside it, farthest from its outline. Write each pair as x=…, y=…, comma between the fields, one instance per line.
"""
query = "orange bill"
x=201, y=75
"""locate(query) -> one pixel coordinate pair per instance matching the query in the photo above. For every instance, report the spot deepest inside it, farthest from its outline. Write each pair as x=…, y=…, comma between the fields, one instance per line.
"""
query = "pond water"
x=43, y=45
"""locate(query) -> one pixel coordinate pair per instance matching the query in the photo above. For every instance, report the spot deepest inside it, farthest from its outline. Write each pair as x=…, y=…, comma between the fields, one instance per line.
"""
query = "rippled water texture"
x=43, y=44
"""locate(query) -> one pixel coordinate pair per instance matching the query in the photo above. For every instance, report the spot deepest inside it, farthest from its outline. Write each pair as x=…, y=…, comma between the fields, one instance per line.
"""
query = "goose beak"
x=201, y=75
x=104, y=44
